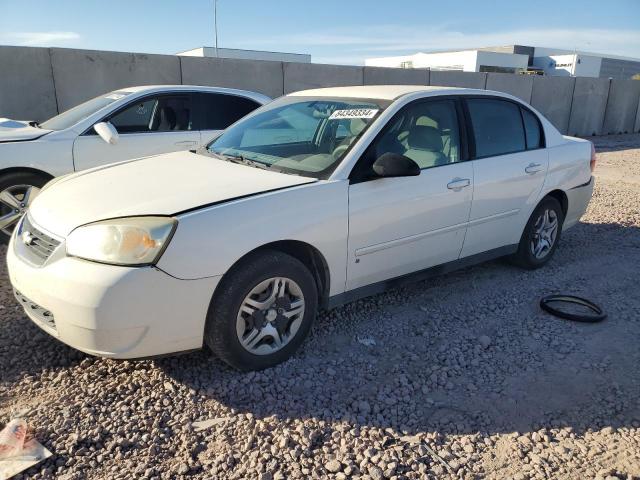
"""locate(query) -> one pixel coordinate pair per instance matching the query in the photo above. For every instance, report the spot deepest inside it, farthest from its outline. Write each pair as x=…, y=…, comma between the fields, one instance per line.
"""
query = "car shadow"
x=614, y=143
x=413, y=360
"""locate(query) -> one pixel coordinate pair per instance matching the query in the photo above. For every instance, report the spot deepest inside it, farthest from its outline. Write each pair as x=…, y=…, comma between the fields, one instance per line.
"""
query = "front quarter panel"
x=50, y=154
x=209, y=241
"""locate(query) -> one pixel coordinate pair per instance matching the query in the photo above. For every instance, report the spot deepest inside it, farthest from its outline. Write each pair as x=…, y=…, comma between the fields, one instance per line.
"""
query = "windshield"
x=71, y=117
x=299, y=135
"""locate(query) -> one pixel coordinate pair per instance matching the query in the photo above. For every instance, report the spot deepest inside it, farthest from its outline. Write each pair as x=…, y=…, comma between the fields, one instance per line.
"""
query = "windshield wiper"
x=244, y=161
x=34, y=124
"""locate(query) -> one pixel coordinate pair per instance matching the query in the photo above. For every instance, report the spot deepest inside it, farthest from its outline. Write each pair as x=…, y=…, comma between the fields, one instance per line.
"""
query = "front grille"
x=45, y=317
x=39, y=245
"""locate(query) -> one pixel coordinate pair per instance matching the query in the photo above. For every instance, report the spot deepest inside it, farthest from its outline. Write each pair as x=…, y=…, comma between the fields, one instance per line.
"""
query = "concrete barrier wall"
x=622, y=107
x=258, y=76
x=588, y=106
x=395, y=76
x=83, y=74
x=552, y=96
x=302, y=76
x=458, y=79
x=26, y=84
x=37, y=83
x=519, y=86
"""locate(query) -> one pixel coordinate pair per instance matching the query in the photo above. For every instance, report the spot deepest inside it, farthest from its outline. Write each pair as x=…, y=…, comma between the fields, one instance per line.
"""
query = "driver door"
x=406, y=224
x=148, y=126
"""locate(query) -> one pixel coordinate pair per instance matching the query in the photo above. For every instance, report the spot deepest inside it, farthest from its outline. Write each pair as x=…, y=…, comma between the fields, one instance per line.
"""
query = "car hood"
x=19, y=131
x=159, y=185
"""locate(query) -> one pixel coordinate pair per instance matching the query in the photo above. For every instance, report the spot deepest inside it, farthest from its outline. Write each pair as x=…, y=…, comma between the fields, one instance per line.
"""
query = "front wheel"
x=262, y=311
x=17, y=191
x=541, y=235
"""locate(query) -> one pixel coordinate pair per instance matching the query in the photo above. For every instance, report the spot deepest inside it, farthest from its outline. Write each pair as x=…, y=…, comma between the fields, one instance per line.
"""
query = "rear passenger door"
x=509, y=168
x=216, y=111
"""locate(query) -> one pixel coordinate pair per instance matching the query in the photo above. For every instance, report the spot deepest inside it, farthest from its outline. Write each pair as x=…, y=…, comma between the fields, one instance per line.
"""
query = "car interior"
x=160, y=114
x=426, y=132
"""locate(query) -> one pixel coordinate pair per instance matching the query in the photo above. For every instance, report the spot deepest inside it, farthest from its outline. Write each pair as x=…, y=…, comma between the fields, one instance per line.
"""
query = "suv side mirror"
x=395, y=165
x=107, y=132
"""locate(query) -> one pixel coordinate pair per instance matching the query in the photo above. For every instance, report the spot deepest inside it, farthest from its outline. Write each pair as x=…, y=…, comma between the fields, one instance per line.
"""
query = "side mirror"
x=395, y=165
x=107, y=132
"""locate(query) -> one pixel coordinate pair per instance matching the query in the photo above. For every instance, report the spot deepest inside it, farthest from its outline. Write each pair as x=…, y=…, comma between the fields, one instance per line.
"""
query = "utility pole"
x=215, y=23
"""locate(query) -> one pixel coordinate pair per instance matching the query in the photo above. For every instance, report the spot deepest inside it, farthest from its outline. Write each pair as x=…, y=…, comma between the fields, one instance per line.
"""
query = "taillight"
x=593, y=157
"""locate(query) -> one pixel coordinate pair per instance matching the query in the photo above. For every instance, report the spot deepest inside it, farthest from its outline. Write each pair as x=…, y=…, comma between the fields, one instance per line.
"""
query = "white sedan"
x=128, y=123
x=316, y=199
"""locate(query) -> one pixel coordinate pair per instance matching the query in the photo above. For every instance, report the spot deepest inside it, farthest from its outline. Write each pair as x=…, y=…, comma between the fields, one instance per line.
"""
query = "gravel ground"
x=459, y=377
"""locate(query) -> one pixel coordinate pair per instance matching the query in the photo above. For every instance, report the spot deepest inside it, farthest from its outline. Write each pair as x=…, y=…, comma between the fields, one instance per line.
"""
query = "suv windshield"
x=299, y=135
x=79, y=112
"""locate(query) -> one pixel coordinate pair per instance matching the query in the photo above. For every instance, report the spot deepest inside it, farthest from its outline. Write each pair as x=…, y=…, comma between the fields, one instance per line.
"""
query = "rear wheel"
x=262, y=311
x=17, y=191
x=541, y=235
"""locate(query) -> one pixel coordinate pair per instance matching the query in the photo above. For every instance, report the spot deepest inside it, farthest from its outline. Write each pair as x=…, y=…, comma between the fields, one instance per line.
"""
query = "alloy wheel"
x=545, y=232
x=14, y=201
x=270, y=316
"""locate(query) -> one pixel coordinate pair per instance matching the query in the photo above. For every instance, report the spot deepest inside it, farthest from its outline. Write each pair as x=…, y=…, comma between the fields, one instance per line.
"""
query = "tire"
x=229, y=322
x=16, y=184
x=526, y=257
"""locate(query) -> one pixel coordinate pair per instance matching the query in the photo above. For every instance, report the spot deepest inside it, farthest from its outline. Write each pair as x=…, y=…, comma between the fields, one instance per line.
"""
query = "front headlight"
x=134, y=241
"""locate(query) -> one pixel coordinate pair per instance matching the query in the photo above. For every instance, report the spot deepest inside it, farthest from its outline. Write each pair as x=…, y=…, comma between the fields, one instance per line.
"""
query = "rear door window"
x=497, y=127
x=218, y=110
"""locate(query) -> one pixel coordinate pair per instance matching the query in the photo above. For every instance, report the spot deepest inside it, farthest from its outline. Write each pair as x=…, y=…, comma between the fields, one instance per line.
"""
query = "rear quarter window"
x=532, y=130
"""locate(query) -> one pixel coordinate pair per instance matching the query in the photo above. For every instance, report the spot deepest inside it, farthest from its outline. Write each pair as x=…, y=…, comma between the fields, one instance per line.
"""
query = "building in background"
x=462, y=60
x=246, y=54
x=584, y=64
x=519, y=59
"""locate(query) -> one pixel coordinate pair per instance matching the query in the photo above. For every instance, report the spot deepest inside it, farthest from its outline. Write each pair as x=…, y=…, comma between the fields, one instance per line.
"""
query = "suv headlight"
x=134, y=241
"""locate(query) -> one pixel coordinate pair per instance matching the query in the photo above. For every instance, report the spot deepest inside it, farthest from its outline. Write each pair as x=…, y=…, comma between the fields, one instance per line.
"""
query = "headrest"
x=168, y=118
x=182, y=119
x=425, y=138
x=356, y=126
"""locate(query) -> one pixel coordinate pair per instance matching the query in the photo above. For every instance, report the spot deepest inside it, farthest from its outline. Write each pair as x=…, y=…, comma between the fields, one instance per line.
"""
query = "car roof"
x=380, y=92
x=259, y=97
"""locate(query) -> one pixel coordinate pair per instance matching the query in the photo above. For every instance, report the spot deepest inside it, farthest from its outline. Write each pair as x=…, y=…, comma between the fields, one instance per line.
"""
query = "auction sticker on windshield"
x=354, y=113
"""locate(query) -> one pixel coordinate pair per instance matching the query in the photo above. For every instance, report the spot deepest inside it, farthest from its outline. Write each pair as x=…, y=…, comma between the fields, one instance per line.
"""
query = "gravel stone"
x=485, y=341
x=333, y=466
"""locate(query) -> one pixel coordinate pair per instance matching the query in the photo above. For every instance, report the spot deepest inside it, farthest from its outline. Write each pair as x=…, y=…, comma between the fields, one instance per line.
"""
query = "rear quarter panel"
x=209, y=241
x=569, y=170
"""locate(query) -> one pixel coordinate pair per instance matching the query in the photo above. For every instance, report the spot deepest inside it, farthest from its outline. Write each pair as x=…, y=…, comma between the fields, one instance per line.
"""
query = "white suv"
x=120, y=125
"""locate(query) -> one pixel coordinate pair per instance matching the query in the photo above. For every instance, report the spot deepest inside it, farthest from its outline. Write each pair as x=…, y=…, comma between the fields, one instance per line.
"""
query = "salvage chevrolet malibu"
x=316, y=199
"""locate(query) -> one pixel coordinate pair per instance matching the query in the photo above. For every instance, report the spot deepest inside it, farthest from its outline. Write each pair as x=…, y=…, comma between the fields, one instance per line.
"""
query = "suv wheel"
x=17, y=191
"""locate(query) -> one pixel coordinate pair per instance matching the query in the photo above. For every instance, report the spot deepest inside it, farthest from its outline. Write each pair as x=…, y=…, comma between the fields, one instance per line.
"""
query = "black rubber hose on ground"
x=597, y=316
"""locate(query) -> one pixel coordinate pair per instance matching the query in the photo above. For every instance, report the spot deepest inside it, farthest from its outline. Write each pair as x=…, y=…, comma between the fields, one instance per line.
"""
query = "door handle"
x=186, y=143
x=458, y=184
x=533, y=168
